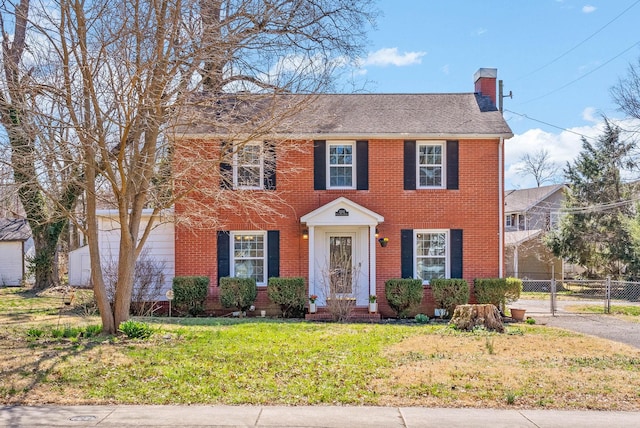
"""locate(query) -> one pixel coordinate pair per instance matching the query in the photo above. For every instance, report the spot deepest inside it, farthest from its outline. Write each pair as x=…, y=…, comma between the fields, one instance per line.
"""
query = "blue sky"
x=559, y=58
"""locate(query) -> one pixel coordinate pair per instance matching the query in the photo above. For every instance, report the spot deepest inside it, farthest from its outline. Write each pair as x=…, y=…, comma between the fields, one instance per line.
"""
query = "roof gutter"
x=501, y=206
x=349, y=136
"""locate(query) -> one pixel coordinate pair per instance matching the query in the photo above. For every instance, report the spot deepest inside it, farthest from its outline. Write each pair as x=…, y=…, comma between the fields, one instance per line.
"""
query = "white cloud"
x=589, y=115
x=588, y=8
x=481, y=31
x=390, y=56
x=445, y=69
x=562, y=147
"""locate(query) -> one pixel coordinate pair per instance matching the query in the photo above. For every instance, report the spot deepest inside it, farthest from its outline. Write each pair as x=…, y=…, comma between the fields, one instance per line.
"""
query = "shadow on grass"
x=28, y=363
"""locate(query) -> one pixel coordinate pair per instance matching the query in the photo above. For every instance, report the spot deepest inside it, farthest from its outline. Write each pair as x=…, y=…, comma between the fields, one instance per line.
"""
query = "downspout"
x=501, y=207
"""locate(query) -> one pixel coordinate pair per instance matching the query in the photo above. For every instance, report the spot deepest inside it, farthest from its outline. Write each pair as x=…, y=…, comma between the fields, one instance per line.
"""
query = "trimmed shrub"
x=497, y=291
x=239, y=293
x=190, y=294
x=403, y=294
x=514, y=288
x=289, y=293
x=449, y=293
x=490, y=290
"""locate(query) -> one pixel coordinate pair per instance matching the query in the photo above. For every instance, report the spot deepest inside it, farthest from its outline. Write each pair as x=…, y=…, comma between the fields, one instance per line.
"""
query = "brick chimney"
x=485, y=79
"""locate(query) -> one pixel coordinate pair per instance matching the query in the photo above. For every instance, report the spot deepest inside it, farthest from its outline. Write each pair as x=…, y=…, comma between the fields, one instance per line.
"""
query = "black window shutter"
x=269, y=165
x=362, y=165
x=456, y=253
x=406, y=253
x=410, y=165
x=224, y=254
x=319, y=165
x=452, y=165
x=273, y=253
x=226, y=169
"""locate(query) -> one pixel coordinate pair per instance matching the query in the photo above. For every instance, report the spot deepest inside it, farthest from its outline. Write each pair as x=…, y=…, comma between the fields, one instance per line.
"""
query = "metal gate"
x=555, y=295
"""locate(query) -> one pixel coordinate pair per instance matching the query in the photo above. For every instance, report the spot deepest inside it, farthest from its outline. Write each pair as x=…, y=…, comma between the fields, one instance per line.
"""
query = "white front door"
x=341, y=264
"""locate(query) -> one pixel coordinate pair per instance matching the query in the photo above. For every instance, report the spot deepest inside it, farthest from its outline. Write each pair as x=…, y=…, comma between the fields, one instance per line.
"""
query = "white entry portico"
x=342, y=225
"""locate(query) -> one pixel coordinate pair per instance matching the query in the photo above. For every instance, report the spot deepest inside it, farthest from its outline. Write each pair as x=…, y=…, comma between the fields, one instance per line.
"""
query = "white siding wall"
x=160, y=246
x=11, y=263
x=79, y=267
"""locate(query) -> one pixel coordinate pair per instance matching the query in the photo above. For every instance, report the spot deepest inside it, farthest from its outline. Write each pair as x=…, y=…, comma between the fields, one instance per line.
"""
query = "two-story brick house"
x=424, y=171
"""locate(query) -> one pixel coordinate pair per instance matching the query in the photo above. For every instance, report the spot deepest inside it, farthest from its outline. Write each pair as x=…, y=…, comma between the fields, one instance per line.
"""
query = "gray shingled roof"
x=524, y=199
x=361, y=115
x=14, y=230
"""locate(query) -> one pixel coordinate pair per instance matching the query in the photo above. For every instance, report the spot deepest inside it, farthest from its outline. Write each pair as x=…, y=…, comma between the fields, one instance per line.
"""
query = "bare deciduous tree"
x=126, y=81
x=540, y=166
x=45, y=169
x=626, y=93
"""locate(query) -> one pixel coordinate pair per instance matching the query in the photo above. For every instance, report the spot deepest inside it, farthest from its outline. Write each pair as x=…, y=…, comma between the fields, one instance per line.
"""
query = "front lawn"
x=255, y=361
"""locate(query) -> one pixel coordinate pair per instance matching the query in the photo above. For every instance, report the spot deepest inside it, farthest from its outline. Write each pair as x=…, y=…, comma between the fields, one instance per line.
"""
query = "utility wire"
x=584, y=75
x=549, y=124
x=579, y=44
x=598, y=207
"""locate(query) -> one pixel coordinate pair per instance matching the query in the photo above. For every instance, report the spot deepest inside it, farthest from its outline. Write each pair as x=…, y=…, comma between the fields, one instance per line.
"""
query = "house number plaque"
x=342, y=213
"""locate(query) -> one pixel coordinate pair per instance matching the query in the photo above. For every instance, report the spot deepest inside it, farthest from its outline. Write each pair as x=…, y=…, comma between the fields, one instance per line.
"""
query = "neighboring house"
x=423, y=170
x=529, y=214
x=160, y=248
x=16, y=245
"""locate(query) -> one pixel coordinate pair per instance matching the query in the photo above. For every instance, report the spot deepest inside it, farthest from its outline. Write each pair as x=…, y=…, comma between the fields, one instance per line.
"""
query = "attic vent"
x=342, y=213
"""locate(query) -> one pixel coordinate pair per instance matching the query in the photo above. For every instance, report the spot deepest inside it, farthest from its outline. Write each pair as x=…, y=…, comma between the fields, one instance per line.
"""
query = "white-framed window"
x=432, y=259
x=430, y=164
x=248, y=166
x=249, y=255
x=509, y=222
x=341, y=165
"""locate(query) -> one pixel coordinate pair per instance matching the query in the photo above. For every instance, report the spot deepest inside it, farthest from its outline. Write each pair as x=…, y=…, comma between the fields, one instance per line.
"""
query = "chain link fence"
x=606, y=291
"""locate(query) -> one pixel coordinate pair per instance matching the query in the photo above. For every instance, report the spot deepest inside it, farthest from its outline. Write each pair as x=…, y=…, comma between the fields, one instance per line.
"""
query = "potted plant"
x=373, y=304
x=383, y=242
x=312, y=303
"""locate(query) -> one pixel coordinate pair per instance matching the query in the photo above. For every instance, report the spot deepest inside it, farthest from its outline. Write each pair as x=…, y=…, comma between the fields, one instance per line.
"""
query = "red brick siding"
x=473, y=208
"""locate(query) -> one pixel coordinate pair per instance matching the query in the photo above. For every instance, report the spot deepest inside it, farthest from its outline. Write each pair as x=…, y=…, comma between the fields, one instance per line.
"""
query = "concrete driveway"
x=606, y=326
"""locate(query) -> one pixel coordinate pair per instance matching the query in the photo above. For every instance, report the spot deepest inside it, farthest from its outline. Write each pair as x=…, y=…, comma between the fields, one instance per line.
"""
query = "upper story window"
x=430, y=164
x=341, y=164
x=248, y=166
x=248, y=256
x=431, y=254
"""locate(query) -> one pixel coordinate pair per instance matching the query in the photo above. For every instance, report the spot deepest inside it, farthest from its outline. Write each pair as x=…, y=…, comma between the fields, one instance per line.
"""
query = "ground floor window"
x=248, y=255
x=431, y=254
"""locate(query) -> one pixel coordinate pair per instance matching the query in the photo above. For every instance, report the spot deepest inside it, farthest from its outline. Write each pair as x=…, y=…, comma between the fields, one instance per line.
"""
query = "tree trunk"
x=45, y=262
x=467, y=317
x=126, y=270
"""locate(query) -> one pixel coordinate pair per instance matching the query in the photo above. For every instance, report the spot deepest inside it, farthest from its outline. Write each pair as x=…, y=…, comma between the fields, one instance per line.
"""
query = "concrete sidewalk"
x=304, y=416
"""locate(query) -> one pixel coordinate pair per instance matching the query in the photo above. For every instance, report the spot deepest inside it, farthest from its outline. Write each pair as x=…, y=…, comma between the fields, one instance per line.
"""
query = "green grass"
x=250, y=363
x=60, y=360
x=630, y=310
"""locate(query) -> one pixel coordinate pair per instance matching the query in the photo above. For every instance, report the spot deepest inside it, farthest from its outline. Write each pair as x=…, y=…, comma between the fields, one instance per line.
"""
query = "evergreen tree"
x=595, y=231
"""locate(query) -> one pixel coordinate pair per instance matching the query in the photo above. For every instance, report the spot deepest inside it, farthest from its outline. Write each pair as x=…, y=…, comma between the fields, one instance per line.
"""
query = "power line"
x=550, y=124
x=598, y=207
x=579, y=44
x=584, y=75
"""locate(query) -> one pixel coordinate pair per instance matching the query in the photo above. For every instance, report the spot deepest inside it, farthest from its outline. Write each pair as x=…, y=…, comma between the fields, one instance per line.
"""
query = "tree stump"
x=466, y=317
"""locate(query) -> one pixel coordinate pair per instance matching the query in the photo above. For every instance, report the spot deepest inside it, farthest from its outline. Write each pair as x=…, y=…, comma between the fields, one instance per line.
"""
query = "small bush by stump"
x=467, y=317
